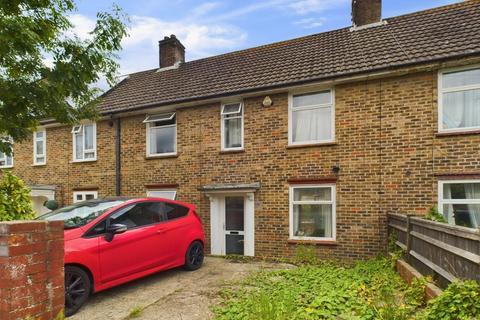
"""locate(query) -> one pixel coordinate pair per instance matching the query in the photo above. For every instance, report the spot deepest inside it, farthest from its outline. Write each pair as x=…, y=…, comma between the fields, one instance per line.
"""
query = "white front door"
x=232, y=224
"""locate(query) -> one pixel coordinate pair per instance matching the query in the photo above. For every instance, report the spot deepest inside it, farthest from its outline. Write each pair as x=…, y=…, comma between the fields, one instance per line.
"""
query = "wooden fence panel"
x=443, y=251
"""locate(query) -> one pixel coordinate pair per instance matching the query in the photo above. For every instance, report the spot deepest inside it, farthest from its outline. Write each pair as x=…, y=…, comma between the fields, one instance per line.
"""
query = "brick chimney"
x=365, y=12
x=172, y=52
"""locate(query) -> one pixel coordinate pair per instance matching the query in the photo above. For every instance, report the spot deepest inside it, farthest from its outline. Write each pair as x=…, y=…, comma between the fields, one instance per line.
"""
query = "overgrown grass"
x=367, y=290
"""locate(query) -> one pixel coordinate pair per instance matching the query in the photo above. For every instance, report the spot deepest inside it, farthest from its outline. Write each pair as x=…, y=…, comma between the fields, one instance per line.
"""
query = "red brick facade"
x=385, y=145
x=31, y=270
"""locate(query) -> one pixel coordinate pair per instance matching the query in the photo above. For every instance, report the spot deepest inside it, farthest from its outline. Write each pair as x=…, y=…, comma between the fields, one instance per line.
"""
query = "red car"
x=112, y=241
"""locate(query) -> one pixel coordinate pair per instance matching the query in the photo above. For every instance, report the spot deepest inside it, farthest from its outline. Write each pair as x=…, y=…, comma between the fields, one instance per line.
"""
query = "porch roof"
x=230, y=186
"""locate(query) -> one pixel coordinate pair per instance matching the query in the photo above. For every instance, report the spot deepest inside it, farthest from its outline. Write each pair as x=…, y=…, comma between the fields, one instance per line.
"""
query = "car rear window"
x=174, y=211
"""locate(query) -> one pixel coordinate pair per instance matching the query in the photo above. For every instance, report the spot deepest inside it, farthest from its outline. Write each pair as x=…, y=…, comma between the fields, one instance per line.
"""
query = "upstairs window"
x=459, y=100
x=6, y=161
x=39, y=147
x=232, y=126
x=84, y=142
x=161, y=134
x=459, y=201
x=311, y=118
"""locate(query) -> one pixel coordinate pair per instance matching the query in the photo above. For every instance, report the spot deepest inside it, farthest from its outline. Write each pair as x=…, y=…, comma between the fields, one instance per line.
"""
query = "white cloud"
x=309, y=23
x=314, y=6
x=199, y=39
x=82, y=25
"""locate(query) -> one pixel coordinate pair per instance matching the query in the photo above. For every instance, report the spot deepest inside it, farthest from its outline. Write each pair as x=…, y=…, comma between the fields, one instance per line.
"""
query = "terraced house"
x=311, y=140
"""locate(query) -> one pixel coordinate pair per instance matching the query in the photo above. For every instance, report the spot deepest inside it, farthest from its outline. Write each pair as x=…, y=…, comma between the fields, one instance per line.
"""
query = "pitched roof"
x=435, y=34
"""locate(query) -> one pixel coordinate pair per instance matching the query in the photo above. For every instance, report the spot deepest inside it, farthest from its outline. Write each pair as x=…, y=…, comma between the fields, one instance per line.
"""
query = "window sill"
x=83, y=161
x=232, y=151
x=39, y=165
x=311, y=145
x=162, y=156
x=315, y=242
x=457, y=133
x=7, y=167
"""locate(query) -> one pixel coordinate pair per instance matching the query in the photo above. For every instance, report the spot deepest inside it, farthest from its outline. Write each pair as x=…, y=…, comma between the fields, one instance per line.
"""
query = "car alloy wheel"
x=195, y=256
x=77, y=289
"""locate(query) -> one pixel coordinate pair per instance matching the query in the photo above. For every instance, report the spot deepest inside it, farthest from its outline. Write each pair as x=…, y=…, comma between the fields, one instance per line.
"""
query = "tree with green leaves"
x=48, y=72
x=15, y=200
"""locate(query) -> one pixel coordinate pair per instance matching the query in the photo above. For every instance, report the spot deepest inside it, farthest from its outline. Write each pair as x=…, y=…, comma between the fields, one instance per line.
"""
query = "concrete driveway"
x=170, y=295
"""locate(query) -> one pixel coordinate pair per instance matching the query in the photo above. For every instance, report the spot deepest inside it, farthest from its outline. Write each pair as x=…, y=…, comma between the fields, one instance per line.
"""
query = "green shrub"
x=434, y=215
x=305, y=255
x=15, y=200
x=460, y=301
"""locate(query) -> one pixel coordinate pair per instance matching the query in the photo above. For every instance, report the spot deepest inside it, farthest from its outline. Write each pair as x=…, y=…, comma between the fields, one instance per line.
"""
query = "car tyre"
x=194, y=256
x=77, y=289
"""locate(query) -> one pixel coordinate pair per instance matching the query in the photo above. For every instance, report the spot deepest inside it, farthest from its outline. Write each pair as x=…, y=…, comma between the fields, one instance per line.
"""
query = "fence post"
x=409, y=238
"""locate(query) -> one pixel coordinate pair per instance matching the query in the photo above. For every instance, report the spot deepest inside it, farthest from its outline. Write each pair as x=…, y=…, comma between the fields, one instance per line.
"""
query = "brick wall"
x=61, y=171
x=31, y=270
x=386, y=146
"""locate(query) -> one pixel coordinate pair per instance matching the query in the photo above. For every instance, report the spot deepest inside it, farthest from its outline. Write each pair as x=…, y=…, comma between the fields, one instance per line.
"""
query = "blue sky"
x=208, y=28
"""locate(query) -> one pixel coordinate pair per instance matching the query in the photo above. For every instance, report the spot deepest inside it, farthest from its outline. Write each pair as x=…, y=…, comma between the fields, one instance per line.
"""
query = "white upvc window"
x=313, y=212
x=311, y=117
x=161, y=134
x=6, y=161
x=459, y=99
x=79, y=196
x=162, y=193
x=40, y=147
x=84, y=142
x=232, y=126
x=459, y=202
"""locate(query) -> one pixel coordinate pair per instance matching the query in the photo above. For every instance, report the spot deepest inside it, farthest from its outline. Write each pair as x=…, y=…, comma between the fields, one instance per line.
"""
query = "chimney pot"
x=366, y=12
x=171, y=51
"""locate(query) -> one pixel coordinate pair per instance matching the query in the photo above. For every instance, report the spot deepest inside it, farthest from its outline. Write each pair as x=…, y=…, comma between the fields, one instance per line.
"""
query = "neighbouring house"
x=310, y=140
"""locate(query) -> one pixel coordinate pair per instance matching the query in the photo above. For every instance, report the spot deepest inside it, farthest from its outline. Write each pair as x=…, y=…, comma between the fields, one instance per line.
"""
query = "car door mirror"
x=114, y=229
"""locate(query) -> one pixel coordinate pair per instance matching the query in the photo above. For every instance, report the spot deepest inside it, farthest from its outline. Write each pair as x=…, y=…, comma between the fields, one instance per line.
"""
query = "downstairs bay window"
x=459, y=100
x=459, y=202
x=161, y=134
x=312, y=212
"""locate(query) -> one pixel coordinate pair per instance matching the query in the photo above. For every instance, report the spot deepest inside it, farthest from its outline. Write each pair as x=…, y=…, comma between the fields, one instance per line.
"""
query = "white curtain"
x=448, y=208
x=461, y=109
x=79, y=146
x=472, y=191
x=311, y=124
x=233, y=133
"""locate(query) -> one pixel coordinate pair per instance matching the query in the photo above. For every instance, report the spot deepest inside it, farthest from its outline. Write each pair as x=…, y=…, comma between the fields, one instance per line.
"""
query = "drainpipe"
x=118, y=136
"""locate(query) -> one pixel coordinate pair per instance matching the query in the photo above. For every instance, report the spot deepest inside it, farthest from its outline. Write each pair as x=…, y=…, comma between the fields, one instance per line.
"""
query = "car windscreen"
x=81, y=213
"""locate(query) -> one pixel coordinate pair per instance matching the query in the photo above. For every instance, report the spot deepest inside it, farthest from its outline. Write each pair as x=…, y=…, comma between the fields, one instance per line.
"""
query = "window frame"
x=441, y=201
x=44, y=142
x=223, y=118
x=149, y=124
x=84, y=194
x=333, y=202
x=5, y=156
x=441, y=91
x=77, y=129
x=163, y=190
x=290, y=115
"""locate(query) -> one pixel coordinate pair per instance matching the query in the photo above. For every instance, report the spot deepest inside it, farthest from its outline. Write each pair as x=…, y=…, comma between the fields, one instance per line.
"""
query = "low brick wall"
x=408, y=273
x=31, y=270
